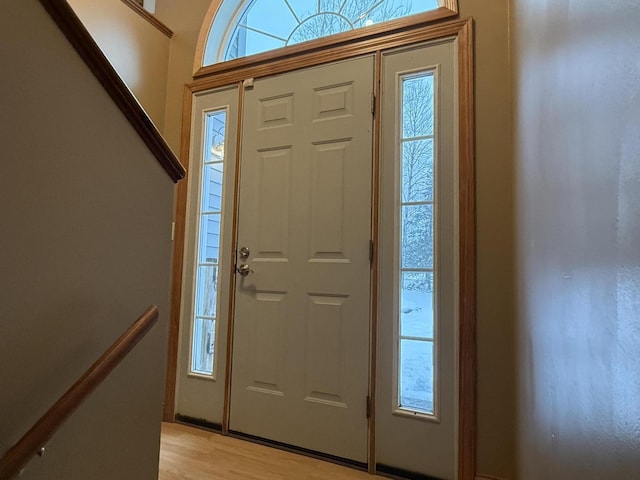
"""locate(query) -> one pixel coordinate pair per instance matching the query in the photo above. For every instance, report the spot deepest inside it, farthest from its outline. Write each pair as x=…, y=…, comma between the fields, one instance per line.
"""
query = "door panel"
x=201, y=396
x=301, y=334
x=418, y=440
x=274, y=170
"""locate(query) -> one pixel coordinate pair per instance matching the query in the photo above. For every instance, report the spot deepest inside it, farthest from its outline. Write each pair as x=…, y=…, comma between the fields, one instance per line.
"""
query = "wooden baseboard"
x=488, y=477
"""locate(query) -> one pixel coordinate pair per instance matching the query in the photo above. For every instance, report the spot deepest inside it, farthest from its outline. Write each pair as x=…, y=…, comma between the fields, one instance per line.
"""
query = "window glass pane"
x=317, y=26
x=215, y=128
x=417, y=236
x=390, y=9
x=416, y=317
x=417, y=106
x=212, y=191
x=209, y=217
x=203, y=346
x=416, y=304
x=303, y=8
x=417, y=171
x=416, y=375
x=367, y=12
x=359, y=11
x=247, y=42
x=270, y=24
x=209, y=249
x=272, y=18
x=207, y=291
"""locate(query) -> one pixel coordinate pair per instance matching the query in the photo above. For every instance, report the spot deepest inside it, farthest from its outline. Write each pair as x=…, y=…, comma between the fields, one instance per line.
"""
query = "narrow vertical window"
x=416, y=330
x=205, y=309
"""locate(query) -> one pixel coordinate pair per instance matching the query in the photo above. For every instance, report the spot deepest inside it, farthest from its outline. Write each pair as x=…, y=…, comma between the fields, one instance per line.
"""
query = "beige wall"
x=185, y=21
x=577, y=150
x=496, y=385
x=84, y=248
x=136, y=48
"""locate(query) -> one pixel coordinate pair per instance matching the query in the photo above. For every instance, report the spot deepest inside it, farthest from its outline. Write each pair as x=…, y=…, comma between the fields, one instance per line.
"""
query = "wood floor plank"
x=188, y=453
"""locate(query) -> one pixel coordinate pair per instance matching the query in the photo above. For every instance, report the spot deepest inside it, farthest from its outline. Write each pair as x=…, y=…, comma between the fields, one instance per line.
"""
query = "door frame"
x=330, y=52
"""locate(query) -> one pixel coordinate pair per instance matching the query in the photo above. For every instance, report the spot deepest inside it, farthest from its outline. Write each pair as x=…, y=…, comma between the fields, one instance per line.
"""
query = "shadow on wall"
x=578, y=186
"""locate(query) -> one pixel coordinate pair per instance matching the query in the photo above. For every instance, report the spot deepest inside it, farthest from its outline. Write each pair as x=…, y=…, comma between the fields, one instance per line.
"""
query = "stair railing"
x=33, y=442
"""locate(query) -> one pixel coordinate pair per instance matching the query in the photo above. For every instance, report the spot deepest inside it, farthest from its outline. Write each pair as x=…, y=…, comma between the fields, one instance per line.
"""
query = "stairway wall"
x=85, y=247
x=136, y=49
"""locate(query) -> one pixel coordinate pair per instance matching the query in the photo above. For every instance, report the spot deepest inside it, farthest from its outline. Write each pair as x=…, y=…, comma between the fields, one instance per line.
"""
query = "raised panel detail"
x=328, y=200
x=276, y=112
x=335, y=101
x=268, y=342
x=273, y=202
x=324, y=350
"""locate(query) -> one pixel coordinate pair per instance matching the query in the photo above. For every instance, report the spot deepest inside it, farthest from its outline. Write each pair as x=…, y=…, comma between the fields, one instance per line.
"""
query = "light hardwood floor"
x=188, y=453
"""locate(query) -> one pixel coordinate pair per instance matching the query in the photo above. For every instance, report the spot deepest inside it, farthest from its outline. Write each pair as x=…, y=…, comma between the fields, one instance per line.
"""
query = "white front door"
x=302, y=317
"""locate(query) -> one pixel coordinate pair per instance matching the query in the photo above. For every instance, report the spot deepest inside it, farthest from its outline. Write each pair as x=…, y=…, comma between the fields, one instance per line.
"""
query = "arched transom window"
x=246, y=27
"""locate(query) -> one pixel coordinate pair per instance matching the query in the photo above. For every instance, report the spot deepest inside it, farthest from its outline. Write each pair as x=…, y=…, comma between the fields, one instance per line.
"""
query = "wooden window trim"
x=238, y=70
x=448, y=9
x=257, y=66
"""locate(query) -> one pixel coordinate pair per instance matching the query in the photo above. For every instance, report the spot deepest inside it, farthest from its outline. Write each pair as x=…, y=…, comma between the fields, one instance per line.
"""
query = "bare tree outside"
x=417, y=173
x=416, y=379
x=265, y=25
x=343, y=15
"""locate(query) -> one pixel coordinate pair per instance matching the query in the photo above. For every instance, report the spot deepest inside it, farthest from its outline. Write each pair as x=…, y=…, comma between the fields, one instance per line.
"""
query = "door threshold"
x=198, y=422
x=345, y=462
x=401, y=474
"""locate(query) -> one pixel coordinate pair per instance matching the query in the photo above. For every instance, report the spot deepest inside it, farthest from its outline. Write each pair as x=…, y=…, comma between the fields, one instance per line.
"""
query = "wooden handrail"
x=35, y=439
x=71, y=26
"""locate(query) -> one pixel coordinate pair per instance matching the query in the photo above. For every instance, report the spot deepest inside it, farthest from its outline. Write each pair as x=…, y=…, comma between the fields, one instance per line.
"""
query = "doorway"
x=299, y=330
x=301, y=319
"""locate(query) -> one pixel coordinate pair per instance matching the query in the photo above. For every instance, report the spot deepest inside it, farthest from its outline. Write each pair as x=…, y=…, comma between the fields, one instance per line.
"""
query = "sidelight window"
x=209, y=214
x=416, y=340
